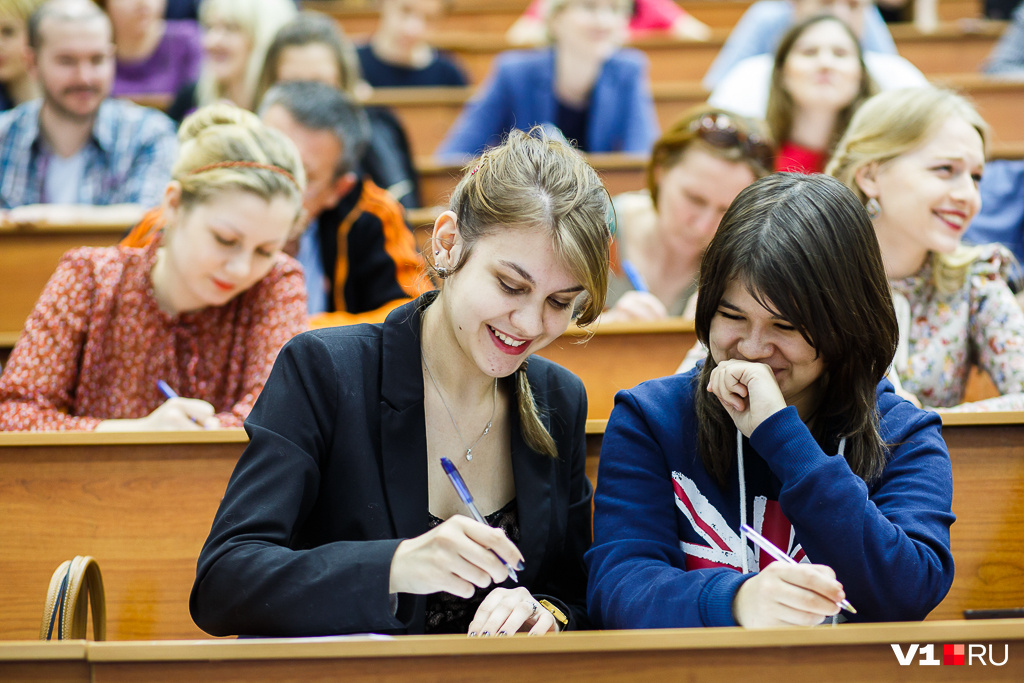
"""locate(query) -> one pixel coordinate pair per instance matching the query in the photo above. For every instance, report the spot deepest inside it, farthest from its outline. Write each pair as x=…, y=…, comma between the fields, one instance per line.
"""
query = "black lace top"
x=447, y=613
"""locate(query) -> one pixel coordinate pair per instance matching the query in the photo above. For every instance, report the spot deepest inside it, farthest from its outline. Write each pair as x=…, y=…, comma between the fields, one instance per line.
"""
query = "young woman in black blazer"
x=339, y=517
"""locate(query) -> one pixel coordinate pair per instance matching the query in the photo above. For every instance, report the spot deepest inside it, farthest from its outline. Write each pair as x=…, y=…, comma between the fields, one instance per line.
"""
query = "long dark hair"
x=805, y=248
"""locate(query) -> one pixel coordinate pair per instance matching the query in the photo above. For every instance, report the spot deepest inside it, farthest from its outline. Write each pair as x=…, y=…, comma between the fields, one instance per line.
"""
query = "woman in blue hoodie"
x=788, y=426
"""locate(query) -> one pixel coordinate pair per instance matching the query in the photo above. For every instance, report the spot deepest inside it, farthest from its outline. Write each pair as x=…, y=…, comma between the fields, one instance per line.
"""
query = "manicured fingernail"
x=531, y=633
x=486, y=633
x=520, y=566
x=502, y=633
x=472, y=634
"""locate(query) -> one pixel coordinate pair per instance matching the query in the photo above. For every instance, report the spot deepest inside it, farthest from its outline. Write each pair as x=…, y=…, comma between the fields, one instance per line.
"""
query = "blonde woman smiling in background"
x=914, y=157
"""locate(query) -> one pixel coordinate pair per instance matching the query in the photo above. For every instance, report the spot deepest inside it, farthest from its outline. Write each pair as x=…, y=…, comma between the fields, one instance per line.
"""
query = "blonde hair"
x=19, y=9
x=534, y=181
x=224, y=147
x=891, y=124
x=260, y=19
x=780, y=107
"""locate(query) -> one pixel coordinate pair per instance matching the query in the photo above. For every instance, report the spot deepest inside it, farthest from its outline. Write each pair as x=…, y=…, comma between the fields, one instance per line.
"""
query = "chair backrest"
x=73, y=586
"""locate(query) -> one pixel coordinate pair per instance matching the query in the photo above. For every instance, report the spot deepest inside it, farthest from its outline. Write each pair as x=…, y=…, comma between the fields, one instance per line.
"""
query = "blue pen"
x=634, y=276
x=166, y=390
x=467, y=498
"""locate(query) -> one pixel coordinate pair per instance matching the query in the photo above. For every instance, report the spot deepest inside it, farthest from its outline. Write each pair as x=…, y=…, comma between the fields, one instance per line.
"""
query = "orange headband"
x=246, y=164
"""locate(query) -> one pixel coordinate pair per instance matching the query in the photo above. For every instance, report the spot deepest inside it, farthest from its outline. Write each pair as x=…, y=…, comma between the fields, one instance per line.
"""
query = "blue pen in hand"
x=166, y=390
x=634, y=276
x=467, y=498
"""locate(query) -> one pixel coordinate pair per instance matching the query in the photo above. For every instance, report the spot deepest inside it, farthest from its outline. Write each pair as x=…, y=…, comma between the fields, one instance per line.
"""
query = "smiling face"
x=217, y=249
x=694, y=194
x=227, y=47
x=510, y=298
x=822, y=69
x=75, y=65
x=930, y=194
x=743, y=329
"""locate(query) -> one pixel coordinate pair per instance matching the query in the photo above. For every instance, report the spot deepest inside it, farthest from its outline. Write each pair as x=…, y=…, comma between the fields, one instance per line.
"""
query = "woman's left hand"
x=510, y=610
x=748, y=392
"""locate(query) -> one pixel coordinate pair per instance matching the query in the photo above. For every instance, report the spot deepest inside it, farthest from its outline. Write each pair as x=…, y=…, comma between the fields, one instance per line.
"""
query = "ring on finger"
x=534, y=612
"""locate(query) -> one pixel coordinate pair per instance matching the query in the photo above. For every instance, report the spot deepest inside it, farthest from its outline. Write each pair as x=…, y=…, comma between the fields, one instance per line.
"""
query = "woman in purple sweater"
x=154, y=56
x=788, y=426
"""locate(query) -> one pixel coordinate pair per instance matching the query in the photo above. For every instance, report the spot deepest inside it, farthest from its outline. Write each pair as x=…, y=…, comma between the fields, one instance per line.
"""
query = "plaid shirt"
x=127, y=160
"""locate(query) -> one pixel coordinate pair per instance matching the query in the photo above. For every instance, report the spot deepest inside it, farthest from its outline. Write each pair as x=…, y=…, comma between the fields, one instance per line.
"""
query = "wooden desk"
x=141, y=504
x=949, y=49
x=847, y=653
x=620, y=356
x=428, y=113
x=28, y=257
x=496, y=16
x=987, y=453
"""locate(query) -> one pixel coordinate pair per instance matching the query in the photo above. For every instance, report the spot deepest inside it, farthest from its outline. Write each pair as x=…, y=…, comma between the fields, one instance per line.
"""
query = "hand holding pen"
x=174, y=412
x=786, y=592
x=457, y=556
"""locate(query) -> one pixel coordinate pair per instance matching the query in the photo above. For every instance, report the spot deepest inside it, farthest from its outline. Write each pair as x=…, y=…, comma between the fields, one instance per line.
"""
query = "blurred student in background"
x=312, y=47
x=762, y=26
x=236, y=34
x=748, y=85
x=16, y=83
x=696, y=169
x=205, y=306
x=584, y=84
x=818, y=81
x=915, y=157
x=77, y=155
x=358, y=254
x=154, y=56
x=399, y=53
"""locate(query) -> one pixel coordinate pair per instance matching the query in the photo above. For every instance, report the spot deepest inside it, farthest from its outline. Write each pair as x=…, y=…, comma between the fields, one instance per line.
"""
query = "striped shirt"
x=128, y=158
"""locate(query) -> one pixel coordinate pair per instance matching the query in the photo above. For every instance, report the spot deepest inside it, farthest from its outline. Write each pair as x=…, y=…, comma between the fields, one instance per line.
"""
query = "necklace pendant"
x=469, y=454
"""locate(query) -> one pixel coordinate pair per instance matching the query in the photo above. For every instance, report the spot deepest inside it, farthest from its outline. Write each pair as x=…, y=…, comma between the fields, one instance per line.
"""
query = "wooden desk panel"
x=847, y=653
x=28, y=258
x=427, y=114
x=620, y=356
x=142, y=505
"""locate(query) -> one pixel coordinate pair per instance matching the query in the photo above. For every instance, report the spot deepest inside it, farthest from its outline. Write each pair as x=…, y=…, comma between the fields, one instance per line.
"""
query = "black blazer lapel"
x=403, y=435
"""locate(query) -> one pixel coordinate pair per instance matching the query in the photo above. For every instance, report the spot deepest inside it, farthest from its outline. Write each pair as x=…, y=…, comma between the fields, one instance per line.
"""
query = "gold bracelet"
x=555, y=612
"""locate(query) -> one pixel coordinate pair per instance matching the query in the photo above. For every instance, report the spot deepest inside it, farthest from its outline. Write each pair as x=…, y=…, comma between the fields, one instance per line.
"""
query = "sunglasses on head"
x=719, y=130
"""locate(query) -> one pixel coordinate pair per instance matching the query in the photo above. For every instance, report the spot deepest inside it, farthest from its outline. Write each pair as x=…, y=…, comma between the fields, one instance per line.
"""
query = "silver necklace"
x=494, y=405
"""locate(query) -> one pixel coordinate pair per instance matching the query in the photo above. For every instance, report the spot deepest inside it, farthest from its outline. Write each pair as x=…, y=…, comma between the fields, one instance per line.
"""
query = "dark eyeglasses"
x=719, y=130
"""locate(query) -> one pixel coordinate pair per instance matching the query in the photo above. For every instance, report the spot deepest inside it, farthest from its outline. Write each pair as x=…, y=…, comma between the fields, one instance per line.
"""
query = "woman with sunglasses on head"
x=339, y=517
x=915, y=157
x=788, y=427
x=696, y=169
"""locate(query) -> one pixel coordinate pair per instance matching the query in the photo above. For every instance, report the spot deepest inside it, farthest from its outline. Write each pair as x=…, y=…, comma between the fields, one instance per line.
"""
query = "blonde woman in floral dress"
x=915, y=157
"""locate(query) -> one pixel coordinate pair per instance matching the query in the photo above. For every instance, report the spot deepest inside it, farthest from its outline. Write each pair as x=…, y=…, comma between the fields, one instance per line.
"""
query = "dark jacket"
x=335, y=476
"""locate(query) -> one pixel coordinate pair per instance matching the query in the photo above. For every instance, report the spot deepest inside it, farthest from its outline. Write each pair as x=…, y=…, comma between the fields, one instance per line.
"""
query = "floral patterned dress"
x=979, y=324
